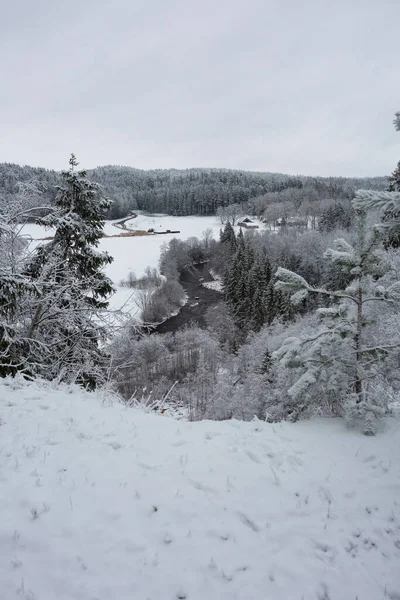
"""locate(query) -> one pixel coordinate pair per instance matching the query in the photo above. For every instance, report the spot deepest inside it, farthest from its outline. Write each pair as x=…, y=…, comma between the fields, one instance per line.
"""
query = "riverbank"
x=200, y=298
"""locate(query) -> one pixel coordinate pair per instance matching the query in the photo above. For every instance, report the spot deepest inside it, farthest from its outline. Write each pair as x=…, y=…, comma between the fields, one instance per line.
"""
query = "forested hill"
x=185, y=192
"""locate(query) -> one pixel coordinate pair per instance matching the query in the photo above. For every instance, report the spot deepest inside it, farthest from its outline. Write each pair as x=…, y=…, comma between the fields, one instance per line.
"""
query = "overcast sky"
x=295, y=86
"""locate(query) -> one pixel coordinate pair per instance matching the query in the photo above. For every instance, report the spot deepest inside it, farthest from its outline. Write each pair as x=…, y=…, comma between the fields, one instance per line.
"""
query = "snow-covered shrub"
x=151, y=279
x=151, y=365
x=130, y=281
x=364, y=415
x=163, y=301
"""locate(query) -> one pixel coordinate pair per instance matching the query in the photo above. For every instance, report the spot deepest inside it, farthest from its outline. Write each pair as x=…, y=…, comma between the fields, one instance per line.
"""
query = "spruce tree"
x=269, y=300
x=248, y=286
x=259, y=278
x=394, y=180
x=74, y=288
x=239, y=283
x=266, y=267
x=227, y=236
x=393, y=239
x=234, y=279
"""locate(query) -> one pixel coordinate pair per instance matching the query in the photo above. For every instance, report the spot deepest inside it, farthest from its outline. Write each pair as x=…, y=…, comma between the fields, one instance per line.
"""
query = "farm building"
x=247, y=224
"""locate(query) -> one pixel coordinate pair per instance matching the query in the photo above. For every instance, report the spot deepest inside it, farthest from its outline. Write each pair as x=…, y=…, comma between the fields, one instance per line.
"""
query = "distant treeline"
x=185, y=192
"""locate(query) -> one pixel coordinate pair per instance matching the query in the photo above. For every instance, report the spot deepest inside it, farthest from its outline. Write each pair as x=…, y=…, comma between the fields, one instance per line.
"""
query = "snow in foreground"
x=103, y=502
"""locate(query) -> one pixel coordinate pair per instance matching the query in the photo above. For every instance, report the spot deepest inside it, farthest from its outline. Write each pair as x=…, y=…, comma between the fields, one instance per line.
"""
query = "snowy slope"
x=103, y=502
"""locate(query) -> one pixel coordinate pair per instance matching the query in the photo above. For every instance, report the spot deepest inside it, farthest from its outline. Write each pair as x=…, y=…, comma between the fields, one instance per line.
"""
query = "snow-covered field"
x=103, y=502
x=137, y=253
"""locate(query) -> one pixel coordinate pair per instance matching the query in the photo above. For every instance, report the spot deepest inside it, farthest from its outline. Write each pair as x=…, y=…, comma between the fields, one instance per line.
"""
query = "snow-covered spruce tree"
x=393, y=238
x=336, y=216
x=340, y=356
x=234, y=277
x=248, y=287
x=388, y=203
x=259, y=277
x=227, y=236
x=68, y=270
x=394, y=180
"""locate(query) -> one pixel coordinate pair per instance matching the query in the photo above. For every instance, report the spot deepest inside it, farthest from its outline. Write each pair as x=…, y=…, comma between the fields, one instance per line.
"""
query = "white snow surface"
x=215, y=285
x=102, y=502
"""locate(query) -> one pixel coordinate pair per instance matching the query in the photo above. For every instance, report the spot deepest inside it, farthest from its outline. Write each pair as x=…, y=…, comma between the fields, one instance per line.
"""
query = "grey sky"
x=295, y=86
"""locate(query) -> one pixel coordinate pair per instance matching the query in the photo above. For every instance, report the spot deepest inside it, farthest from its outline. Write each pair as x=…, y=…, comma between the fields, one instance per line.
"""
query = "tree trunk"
x=358, y=387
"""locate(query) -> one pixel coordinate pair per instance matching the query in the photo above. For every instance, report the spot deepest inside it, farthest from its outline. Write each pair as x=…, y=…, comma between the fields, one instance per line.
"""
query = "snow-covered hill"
x=102, y=502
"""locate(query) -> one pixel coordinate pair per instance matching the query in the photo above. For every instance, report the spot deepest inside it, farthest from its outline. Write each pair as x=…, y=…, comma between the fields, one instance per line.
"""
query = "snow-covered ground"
x=215, y=285
x=103, y=502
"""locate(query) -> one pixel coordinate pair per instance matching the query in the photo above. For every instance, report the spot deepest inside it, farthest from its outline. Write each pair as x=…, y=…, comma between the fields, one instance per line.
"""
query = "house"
x=247, y=224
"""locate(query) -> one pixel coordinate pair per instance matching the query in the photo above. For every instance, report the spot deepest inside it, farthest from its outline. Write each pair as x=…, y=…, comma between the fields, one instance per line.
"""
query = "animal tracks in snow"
x=248, y=522
x=254, y=457
x=201, y=486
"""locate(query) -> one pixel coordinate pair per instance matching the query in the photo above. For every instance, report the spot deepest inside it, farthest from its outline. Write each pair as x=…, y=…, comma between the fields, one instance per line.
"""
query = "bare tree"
x=230, y=213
